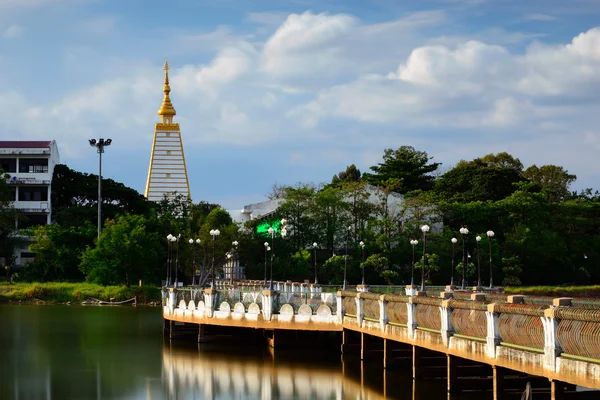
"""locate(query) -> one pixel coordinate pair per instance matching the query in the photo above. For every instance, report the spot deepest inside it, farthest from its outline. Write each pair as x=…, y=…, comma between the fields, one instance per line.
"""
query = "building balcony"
x=32, y=206
x=19, y=180
x=24, y=151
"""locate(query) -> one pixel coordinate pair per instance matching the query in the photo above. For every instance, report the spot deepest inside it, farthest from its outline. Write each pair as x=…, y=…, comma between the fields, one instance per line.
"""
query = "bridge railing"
x=551, y=329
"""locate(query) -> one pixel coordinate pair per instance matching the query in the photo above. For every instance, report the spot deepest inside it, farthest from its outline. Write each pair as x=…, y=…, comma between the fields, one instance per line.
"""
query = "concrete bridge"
x=500, y=337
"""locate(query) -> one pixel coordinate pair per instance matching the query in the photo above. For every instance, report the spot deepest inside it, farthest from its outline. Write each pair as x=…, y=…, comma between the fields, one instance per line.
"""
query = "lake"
x=89, y=352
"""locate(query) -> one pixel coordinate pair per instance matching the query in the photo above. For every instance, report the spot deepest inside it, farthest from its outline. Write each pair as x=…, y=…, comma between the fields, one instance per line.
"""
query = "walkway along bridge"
x=506, y=339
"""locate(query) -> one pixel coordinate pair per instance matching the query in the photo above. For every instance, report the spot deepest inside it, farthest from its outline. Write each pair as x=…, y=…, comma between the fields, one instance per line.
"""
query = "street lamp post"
x=424, y=229
x=215, y=234
x=192, y=242
x=345, y=287
x=464, y=232
x=453, y=240
x=235, y=244
x=272, y=233
x=490, y=235
x=478, y=239
x=267, y=248
x=362, y=246
x=169, y=237
x=100, y=144
x=413, y=243
x=315, y=256
x=176, y=239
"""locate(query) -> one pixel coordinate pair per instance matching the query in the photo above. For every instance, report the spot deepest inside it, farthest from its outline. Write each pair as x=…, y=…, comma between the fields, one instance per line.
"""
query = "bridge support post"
x=445, y=313
x=557, y=390
x=416, y=362
x=209, y=302
x=498, y=382
x=383, y=319
x=411, y=320
x=493, y=335
x=451, y=375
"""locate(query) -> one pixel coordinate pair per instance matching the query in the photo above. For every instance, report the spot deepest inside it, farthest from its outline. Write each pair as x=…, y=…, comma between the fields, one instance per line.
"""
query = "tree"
x=554, y=180
x=75, y=197
x=128, y=250
x=298, y=201
x=409, y=166
x=491, y=177
x=58, y=251
x=351, y=174
x=8, y=240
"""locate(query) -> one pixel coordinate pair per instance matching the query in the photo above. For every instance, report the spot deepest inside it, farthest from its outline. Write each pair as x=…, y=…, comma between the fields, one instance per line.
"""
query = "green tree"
x=330, y=215
x=554, y=180
x=351, y=174
x=492, y=177
x=8, y=240
x=412, y=168
x=128, y=250
x=296, y=208
x=75, y=197
x=58, y=251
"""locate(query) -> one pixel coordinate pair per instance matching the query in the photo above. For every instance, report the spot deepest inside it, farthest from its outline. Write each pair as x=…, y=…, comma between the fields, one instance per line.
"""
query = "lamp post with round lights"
x=100, y=144
x=315, y=256
x=478, y=239
x=453, y=240
x=345, y=285
x=236, y=261
x=464, y=232
x=413, y=243
x=362, y=247
x=193, y=242
x=215, y=234
x=169, y=249
x=267, y=248
x=176, y=239
x=490, y=235
x=424, y=229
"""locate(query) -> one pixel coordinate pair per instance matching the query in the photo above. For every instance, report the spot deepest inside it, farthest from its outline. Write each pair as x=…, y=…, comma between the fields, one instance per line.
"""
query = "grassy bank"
x=59, y=292
x=556, y=291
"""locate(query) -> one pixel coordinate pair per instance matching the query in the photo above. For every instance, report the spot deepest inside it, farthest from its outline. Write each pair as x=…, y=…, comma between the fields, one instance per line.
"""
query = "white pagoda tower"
x=167, y=174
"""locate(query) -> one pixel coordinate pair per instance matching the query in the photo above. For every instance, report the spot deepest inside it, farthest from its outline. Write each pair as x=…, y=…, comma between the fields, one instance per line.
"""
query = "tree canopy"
x=412, y=168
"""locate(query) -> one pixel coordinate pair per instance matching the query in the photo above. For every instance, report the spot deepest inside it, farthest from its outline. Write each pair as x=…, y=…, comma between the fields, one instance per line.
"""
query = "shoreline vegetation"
x=75, y=293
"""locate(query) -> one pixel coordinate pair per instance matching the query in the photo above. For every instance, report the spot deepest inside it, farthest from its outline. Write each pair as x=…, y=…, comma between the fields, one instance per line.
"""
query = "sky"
x=282, y=91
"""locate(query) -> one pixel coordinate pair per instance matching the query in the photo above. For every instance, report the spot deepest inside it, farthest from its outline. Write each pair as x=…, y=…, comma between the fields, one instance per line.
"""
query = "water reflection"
x=217, y=375
x=61, y=352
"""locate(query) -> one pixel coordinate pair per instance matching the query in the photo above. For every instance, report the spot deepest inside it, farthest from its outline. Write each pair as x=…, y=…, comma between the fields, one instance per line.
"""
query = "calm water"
x=75, y=352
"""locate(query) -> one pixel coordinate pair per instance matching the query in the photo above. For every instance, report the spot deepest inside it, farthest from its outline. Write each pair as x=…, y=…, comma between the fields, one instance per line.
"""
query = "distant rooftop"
x=24, y=144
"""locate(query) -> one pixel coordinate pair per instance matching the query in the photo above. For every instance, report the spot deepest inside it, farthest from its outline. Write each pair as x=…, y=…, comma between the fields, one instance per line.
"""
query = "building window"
x=33, y=165
x=8, y=164
x=33, y=193
x=27, y=254
x=30, y=220
x=13, y=193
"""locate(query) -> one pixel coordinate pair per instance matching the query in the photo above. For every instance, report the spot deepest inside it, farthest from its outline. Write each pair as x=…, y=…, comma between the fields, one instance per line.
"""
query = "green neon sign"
x=263, y=228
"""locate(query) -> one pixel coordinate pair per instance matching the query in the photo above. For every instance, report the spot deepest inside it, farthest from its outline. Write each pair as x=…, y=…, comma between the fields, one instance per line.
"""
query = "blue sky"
x=294, y=90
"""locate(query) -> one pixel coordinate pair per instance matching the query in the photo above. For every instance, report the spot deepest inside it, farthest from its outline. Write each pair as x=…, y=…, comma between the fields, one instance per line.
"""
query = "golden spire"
x=166, y=109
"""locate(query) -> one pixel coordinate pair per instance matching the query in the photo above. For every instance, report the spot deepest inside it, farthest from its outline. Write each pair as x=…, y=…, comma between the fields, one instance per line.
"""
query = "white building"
x=30, y=165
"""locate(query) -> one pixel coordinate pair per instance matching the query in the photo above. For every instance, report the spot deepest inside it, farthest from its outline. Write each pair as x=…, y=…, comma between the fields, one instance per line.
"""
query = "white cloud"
x=12, y=31
x=470, y=85
x=336, y=82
